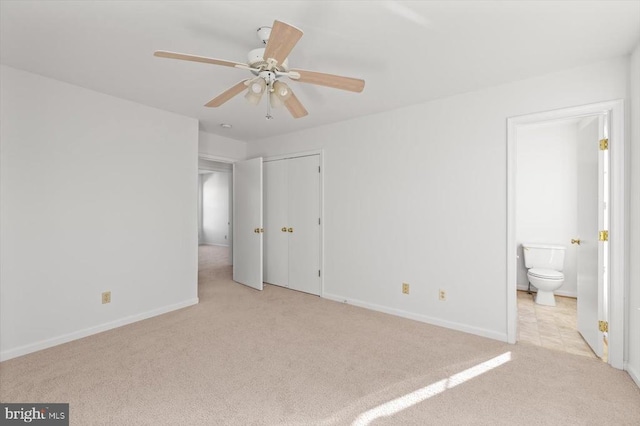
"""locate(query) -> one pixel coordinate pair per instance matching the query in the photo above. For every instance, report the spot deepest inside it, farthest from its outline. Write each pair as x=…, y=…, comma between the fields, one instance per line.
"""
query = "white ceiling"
x=408, y=52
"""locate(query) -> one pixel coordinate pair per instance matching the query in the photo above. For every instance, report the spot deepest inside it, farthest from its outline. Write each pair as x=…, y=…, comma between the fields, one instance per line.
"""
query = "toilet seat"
x=547, y=274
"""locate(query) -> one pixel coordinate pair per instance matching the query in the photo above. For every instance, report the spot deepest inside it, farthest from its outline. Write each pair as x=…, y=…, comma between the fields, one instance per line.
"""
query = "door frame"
x=319, y=152
x=618, y=279
x=226, y=160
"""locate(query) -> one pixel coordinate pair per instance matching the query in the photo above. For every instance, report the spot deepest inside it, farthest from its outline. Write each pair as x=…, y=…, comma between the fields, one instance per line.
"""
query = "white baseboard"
x=635, y=375
x=44, y=344
x=491, y=334
x=573, y=294
x=203, y=243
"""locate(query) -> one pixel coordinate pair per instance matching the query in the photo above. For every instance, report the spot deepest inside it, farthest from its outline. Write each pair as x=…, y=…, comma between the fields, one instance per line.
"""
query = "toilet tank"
x=543, y=256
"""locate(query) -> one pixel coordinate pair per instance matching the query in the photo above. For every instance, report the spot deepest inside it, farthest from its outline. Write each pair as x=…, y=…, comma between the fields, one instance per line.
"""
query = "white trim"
x=635, y=375
x=55, y=341
x=322, y=222
x=216, y=158
x=294, y=155
x=525, y=287
x=619, y=254
x=201, y=243
x=212, y=170
x=483, y=332
x=618, y=238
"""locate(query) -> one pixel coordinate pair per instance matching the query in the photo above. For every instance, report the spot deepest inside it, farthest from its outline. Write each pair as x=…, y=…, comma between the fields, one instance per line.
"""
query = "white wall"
x=419, y=195
x=546, y=202
x=97, y=194
x=221, y=147
x=633, y=332
x=215, y=208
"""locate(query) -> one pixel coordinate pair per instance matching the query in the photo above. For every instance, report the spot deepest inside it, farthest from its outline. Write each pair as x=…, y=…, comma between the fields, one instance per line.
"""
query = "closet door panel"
x=304, y=213
x=276, y=269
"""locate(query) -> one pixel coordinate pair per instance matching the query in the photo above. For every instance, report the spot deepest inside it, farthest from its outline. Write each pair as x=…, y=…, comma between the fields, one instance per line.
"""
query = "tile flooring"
x=552, y=327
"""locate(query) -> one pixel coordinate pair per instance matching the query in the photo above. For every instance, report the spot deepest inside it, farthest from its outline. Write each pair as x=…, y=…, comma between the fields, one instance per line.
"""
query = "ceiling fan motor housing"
x=256, y=59
x=268, y=76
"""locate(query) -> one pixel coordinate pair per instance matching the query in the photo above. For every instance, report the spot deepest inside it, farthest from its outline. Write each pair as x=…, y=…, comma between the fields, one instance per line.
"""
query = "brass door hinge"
x=603, y=236
x=603, y=326
x=604, y=144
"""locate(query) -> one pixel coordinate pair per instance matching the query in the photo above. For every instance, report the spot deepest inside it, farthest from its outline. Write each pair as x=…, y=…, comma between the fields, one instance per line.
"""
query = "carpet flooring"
x=280, y=357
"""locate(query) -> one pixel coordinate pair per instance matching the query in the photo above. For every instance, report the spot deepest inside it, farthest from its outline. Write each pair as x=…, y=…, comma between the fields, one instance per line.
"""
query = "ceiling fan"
x=268, y=64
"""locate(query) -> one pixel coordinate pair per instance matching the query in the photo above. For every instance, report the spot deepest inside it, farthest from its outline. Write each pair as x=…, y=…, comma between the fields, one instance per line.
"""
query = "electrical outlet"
x=442, y=295
x=106, y=297
x=405, y=288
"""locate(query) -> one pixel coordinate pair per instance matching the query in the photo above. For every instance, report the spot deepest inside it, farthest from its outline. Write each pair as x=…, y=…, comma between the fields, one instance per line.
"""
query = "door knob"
x=577, y=241
x=284, y=229
x=290, y=230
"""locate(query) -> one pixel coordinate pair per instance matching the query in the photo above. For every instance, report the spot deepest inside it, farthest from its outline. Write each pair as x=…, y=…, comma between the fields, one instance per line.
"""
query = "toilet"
x=544, y=263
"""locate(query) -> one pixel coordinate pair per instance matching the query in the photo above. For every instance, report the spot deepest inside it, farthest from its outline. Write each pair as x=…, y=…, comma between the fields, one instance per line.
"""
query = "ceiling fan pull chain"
x=268, y=90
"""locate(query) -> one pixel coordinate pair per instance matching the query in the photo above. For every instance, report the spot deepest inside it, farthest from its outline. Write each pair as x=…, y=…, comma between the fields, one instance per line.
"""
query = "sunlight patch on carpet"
x=396, y=405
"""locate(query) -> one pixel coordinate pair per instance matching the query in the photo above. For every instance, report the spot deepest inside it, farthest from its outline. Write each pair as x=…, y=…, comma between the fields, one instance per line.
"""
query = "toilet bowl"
x=544, y=263
x=546, y=281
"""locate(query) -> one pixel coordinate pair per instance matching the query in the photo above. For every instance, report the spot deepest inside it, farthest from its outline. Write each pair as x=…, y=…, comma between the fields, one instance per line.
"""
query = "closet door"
x=304, y=213
x=276, y=244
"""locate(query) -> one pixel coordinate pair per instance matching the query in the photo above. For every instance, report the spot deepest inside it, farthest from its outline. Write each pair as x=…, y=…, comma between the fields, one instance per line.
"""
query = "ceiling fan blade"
x=330, y=80
x=282, y=40
x=195, y=58
x=227, y=94
x=295, y=107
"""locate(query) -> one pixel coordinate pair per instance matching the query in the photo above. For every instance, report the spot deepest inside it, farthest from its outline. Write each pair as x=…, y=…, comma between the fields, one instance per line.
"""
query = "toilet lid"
x=546, y=273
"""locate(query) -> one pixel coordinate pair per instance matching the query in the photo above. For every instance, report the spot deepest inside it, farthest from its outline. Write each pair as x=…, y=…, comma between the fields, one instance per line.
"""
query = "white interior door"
x=304, y=216
x=276, y=223
x=590, y=266
x=247, y=222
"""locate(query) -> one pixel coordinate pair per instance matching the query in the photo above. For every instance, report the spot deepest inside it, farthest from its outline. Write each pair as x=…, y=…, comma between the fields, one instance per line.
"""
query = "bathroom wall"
x=546, y=201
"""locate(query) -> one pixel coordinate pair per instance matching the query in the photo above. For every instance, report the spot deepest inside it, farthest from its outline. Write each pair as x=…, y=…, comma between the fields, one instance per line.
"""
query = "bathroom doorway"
x=558, y=185
x=557, y=206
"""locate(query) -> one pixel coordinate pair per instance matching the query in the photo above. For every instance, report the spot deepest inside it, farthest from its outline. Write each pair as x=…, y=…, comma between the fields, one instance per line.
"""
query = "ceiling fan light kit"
x=281, y=90
x=256, y=90
x=267, y=64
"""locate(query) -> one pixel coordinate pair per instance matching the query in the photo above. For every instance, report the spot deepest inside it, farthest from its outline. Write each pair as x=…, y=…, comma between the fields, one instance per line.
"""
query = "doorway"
x=215, y=213
x=557, y=192
x=606, y=301
x=215, y=203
